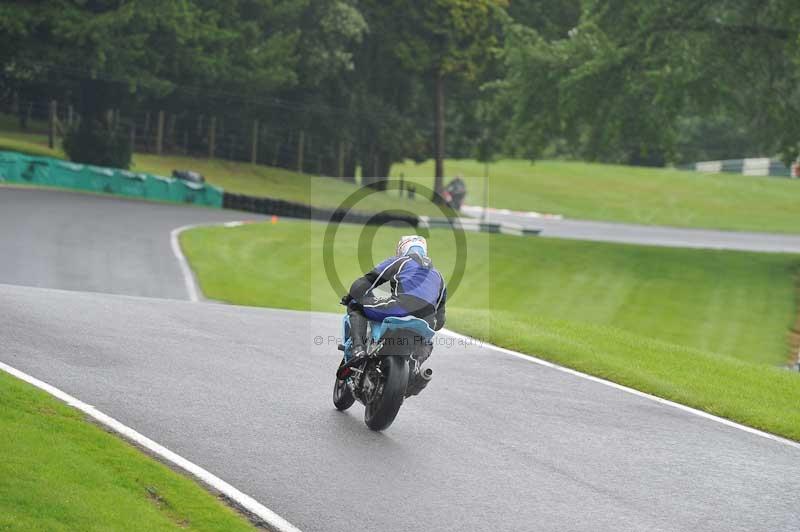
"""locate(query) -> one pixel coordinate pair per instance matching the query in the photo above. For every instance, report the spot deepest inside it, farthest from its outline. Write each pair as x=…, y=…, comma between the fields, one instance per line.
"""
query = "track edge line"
x=270, y=518
x=189, y=281
x=623, y=388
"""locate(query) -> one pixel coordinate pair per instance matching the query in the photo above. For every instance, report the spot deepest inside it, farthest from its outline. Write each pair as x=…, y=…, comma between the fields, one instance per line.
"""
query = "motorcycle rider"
x=417, y=289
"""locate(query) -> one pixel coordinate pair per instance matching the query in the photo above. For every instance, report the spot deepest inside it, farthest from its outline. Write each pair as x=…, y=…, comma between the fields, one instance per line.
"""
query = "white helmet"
x=412, y=244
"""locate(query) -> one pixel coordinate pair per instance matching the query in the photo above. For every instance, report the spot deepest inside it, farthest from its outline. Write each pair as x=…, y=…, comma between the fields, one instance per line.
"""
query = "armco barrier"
x=157, y=187
x=9, y=166
x=35, y=170
x=191, y=192
x=131, y=184
x=66, y=175
x=242, y=202
x=19, y=168
x=100, y=179
x=754, y=166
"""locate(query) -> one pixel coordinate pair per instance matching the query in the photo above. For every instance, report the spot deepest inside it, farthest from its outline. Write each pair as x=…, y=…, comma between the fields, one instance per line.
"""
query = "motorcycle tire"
x=343, y=397
x=380, y=412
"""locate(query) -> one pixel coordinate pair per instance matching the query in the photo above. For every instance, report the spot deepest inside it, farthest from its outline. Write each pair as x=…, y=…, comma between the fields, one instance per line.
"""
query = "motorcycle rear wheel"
x=381, y=411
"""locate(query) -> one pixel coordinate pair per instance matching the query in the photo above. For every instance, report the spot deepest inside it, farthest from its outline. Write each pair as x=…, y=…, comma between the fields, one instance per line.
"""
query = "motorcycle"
x=388, y=373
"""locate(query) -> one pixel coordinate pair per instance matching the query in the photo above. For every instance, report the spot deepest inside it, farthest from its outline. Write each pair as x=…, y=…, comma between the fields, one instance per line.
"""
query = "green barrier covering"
x=35, y=170
x=66, y=175
x=100, y=179
x=192, y=192
x=158, y=188
x=9, y=166
x=131, y=184
x=20, y=168
x=214, y=196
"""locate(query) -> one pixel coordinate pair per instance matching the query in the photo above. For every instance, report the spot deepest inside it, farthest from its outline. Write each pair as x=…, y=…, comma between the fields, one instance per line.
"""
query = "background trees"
x=635, y=82
x=334, y=86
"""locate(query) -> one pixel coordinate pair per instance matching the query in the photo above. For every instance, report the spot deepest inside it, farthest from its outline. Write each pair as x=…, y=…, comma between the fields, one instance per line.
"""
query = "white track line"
x=667, y=402
x=473, y=341
x=272, y=519
x=186, y=271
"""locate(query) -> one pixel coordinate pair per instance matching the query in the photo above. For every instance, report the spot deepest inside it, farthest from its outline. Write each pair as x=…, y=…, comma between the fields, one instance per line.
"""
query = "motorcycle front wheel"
x=383, y=408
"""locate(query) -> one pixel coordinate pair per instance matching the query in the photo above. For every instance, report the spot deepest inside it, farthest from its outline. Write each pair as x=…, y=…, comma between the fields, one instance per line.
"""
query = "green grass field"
x=628, y=194
x=61, y=472
x=706, y=328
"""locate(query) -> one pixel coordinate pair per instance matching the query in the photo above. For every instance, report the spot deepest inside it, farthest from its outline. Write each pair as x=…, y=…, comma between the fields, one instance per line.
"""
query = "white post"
x=485, y=190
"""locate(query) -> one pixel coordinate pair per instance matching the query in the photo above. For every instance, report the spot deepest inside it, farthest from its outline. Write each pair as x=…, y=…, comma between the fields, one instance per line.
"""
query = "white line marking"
x=188, y=276
x=530, y=358
x=667, y=402
x=272, y=519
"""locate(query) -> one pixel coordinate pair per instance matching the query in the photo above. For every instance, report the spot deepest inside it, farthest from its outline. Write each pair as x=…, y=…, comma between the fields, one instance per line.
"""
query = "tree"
x=445, y=39
x=116, y=51
x=618, y=83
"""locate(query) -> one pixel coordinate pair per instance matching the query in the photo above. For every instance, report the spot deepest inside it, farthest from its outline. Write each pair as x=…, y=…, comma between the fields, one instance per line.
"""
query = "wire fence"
x=194, y=134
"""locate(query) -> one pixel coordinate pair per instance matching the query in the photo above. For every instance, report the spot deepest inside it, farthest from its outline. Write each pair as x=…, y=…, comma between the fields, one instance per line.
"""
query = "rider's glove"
x=346, y=299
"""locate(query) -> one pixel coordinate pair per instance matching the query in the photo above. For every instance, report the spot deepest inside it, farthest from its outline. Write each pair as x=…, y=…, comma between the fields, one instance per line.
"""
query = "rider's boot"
x=358, y=334
x=358, y=331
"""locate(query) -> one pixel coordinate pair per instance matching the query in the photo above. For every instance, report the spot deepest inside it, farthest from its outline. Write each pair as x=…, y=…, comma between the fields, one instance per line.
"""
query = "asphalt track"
x=94, y=243
x=651, y=235
x=495, y=443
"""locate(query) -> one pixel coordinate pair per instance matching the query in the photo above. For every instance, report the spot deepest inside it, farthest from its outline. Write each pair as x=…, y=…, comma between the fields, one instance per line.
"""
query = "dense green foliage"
x=705, y=328
x=60, y=472
x=99, y=145
x=346, y=84
x=630, y=80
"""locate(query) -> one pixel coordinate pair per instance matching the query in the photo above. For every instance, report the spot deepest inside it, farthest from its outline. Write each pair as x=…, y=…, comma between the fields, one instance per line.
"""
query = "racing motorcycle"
x=388, y=373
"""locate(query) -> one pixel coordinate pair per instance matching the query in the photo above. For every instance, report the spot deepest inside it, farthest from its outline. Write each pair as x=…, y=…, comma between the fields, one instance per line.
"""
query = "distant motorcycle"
x=388, y=373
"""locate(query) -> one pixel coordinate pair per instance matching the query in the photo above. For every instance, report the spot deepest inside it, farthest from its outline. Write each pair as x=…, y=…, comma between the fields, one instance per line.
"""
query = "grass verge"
x=244, y=178
x=615, y=193
x=705, y=328
x=61, y=472
x=630, y=194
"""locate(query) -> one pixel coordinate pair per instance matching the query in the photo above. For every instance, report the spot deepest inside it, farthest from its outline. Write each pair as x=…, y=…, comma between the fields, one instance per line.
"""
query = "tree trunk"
x=212, y=137
x=160, y=134
x=300, y=150
x=254, y=143
x=350, y=166
x=51, y=125
x=438, y=133
x=340, y=161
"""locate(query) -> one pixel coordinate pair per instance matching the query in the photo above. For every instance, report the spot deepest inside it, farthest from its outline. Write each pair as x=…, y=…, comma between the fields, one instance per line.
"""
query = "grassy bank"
x=243, y=178
x=577, y=190
x=629, y=194
x=61, y=472
x=706, y=328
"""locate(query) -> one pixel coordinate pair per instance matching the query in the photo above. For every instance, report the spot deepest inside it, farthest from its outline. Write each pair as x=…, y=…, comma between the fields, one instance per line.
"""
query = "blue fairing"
x=348, y=342
x=417, y=325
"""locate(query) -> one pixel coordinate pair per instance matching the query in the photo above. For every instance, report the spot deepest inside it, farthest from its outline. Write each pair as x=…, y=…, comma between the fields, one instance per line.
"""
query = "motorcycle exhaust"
x=419, y=382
